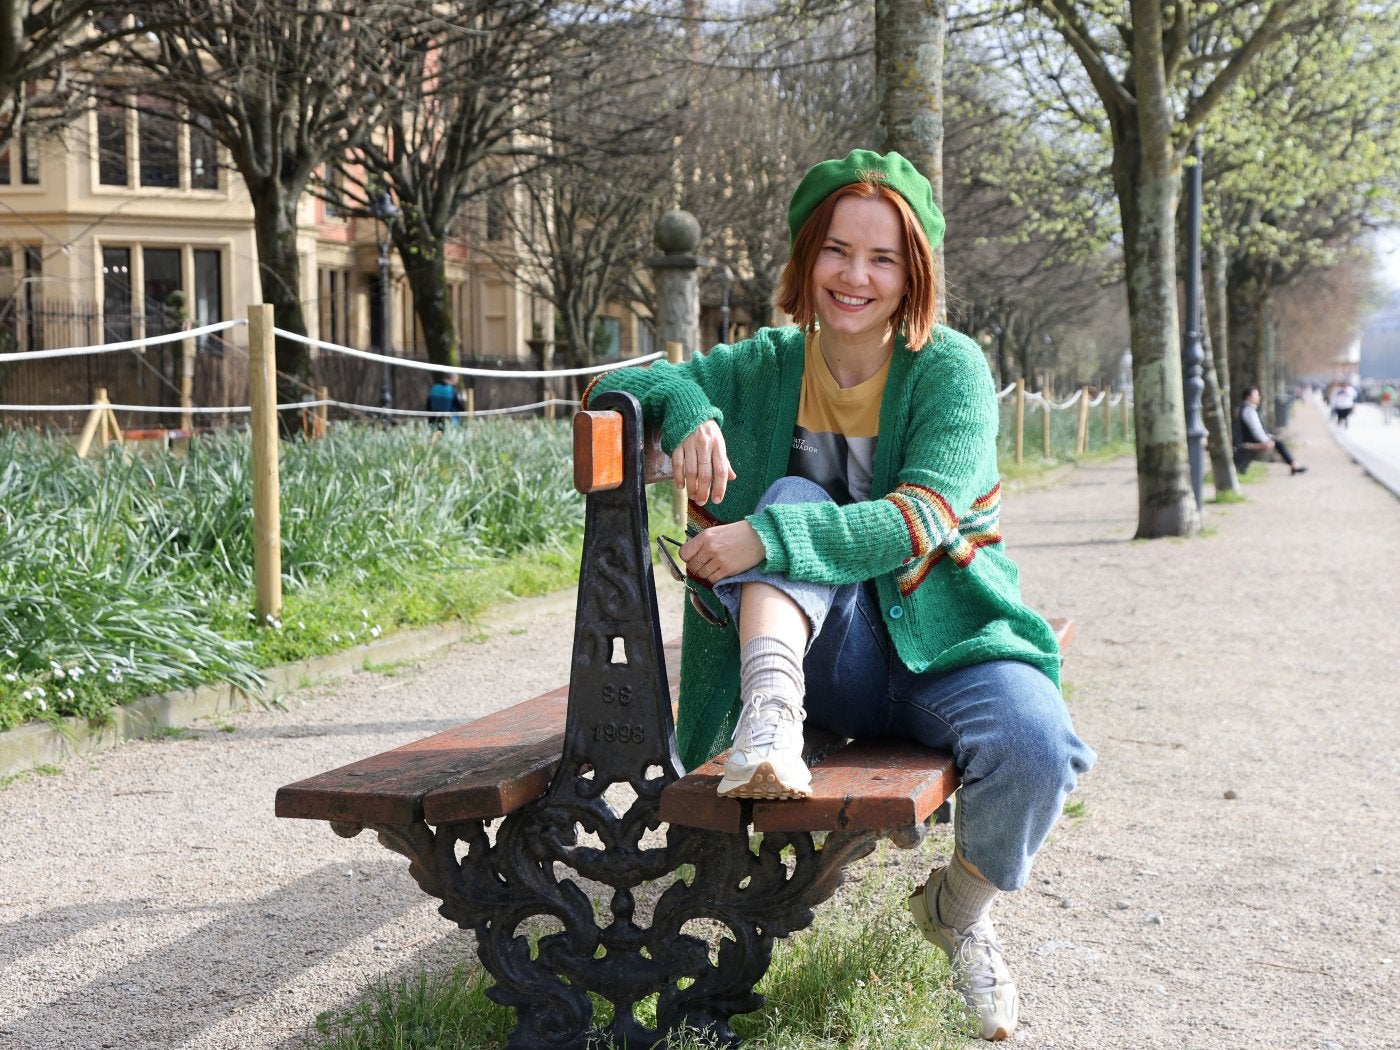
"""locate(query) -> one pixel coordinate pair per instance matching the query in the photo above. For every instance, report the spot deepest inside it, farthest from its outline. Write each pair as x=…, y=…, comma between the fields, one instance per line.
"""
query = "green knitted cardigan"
x=949, y=595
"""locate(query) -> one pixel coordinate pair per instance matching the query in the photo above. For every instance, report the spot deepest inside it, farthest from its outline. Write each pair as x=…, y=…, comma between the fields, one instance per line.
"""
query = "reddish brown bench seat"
x=496, y=764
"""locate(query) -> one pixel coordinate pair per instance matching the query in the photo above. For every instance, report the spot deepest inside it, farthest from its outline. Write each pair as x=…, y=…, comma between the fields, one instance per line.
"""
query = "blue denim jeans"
x=1004, y=722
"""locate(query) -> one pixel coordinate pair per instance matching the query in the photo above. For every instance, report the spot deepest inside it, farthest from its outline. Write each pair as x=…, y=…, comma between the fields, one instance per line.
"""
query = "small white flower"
x=43, y=706
x=70, y=694
x=374, y=631
x=335, y=637
x=29, y=694
x=11, y=653
x=269, y=618
x=251, y=616
x=75, y=672
x=58, y=671
x=364, y=613
x=276, y=625
x=39, y=691
x=11, y=677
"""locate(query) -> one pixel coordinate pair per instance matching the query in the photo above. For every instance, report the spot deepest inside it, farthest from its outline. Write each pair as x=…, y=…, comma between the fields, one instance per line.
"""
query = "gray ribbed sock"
x=964, y=898
x=769, y=665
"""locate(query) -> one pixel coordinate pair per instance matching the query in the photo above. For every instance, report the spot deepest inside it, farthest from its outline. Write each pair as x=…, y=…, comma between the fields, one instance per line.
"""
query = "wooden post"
x=187, y=385
x=96, y=419
x=1108, y=417
x=111, y=433
x=471, y=400
x=267, y=512
x=1020, y=419
x=1124, y=404
x=1045, y=426
x=1080, y=444
x=675, y=353
x=323, y=411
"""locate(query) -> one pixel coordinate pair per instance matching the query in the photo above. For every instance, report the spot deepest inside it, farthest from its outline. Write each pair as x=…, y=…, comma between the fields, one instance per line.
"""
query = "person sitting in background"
x=1255, y=438
x=444, y=397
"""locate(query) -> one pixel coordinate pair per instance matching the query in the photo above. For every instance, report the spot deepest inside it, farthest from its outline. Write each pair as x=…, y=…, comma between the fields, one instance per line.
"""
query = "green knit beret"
x=863, y=165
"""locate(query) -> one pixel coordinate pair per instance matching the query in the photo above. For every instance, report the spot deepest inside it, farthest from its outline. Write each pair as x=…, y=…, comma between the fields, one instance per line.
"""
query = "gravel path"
x=1230, y=882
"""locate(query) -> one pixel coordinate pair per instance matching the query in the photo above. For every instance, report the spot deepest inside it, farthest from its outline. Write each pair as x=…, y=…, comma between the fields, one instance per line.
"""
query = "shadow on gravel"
x=243, y=952
x=420, y=727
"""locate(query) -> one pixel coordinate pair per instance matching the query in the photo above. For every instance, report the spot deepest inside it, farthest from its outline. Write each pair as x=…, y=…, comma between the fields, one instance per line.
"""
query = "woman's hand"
x=700, y=464
x=722, y=551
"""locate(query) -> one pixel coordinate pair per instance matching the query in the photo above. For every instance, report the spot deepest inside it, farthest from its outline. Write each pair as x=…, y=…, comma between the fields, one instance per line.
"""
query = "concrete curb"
x=40, y=744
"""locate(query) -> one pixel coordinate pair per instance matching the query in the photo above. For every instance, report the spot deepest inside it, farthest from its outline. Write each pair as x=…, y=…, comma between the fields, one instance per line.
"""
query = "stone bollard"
x=677, y=280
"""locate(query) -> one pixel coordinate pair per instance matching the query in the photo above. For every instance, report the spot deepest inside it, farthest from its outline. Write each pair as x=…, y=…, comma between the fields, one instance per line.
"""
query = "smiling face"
x=861, y=272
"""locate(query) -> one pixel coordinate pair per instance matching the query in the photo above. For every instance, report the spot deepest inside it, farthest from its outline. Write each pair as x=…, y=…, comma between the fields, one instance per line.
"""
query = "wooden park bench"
x=564, y=833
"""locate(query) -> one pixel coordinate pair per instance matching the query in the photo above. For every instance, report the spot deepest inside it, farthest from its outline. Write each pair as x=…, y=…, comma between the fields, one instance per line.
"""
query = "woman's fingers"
x=722, y=551
x=700, y=464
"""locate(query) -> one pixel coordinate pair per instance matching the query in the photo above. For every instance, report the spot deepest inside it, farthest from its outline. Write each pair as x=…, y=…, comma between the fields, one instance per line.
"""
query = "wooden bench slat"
x=490, y=761
x=864, y=786
x=477, y=771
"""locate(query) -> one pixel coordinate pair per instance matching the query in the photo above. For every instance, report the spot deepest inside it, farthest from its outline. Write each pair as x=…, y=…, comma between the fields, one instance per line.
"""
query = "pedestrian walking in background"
x=445, y=398
x=1343, y=401
x=845, y=556
x=1387, y=401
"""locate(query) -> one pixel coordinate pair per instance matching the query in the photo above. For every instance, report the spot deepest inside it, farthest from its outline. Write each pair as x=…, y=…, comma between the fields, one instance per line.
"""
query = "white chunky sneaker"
x=766, y=761
x=979, y=972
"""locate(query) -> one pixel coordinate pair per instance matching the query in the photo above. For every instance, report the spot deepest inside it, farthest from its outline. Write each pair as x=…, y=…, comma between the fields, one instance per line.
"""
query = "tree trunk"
x=1217, y=312
x=1248, y=294
x=909, y=90
x=279, y=271
x=425, y=268
x=1215, y=410
x=1147, y=176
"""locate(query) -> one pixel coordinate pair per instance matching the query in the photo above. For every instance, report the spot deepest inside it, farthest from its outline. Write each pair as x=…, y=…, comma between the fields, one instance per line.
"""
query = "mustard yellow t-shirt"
x=833, y=443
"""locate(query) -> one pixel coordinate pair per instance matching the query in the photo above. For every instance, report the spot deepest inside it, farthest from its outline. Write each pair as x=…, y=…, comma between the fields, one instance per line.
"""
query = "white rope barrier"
x=296, y=406
x=1002, y=393
x=482, y=373
x=129, y=344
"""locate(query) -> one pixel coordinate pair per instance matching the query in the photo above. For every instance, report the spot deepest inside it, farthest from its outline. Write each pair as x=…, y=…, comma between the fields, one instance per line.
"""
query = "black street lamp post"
x=1192, y=355
x=385, y=211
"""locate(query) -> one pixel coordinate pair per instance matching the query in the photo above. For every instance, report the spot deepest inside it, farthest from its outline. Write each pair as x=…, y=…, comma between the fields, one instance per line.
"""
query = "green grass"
x=859, y=977
x=127, y=576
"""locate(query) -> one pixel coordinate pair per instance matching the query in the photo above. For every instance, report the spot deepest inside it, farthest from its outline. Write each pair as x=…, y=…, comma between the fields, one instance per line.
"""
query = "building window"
x=112, y=162
x=208, y=291
x=334, y=202
x=204, y=156
x=164, y=295
x=496, y=215
x=158, y=141
x=28, y=159
x=116, y=294
x=335, y=305
x=148, y=136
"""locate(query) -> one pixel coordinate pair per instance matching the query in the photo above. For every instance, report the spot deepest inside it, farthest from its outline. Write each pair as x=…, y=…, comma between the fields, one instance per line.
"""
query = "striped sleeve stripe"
x=936, y=532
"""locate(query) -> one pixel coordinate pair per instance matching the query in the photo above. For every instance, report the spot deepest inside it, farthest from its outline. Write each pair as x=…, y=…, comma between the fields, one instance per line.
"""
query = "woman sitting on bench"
x=844, y=551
